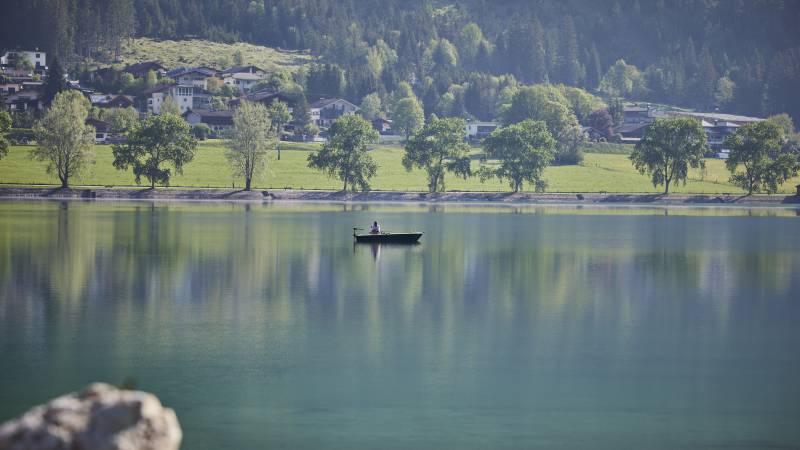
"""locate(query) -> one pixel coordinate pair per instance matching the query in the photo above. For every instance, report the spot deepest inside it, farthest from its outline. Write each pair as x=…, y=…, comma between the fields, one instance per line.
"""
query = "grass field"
x=598, y=173
x=198, y=52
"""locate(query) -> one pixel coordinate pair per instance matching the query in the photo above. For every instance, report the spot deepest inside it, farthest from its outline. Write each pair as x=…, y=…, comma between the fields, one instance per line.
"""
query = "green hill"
x=199, y=52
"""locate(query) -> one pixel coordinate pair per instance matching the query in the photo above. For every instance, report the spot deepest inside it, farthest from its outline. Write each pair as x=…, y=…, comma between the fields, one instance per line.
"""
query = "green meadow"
x=599, y=172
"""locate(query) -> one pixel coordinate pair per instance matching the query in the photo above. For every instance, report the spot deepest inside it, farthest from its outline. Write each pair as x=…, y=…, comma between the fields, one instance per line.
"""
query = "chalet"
x=196, y=76
x=640, y=114
x=38, y=59
x=8, y=86
x=220, y=122
x=111, y=100
x=140, y=70
x=102, y=130
x=479, y=130
x=324, y=112
x=185, y=97
x=631, y=133
x=24, y=101
x=718, y=127
x=251, y=70
x=267, y=98
x=243, y=81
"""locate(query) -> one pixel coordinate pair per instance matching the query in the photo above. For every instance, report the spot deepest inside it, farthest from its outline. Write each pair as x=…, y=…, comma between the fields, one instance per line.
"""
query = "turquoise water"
x=266, y=327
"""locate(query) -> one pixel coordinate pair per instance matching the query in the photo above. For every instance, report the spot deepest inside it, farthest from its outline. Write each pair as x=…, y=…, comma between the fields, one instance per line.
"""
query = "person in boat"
x=375, y=229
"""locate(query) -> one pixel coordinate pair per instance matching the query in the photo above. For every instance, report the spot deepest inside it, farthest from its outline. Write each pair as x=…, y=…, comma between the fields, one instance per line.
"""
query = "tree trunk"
x=666, y=190
x=344, y=189
x=153, y=183
x=279, y=151
x=247, y=184
x=64, y=182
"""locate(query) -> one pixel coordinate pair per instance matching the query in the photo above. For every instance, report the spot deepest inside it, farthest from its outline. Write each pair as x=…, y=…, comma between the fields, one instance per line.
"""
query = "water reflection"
x=264, y=315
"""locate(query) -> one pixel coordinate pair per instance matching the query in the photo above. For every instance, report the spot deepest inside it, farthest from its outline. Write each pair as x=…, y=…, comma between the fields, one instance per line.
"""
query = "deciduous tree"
x=161, y=140
x=252, y=137
x=345, y=155
x=63, y=138
x=5, y=125
x=439, y=147
x=524, y=150
x=756, y=147
x=668, y=148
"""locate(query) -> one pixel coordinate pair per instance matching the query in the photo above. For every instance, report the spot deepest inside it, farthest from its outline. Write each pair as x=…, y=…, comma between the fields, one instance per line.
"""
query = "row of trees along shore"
x=763, y=154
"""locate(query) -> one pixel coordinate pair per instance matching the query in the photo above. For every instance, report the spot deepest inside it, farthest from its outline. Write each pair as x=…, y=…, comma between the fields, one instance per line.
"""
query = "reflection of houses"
x=480, y=130
x=140, y=70
x=220, y=122
x=324, y=112
x=185, y=97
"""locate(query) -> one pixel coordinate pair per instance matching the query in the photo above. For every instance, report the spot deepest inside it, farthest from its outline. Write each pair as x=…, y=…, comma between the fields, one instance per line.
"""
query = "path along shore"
x=394, y=196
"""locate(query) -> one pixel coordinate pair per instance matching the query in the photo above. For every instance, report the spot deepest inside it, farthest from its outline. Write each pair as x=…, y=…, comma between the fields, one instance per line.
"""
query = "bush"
x=201, y=131
x=568, y=156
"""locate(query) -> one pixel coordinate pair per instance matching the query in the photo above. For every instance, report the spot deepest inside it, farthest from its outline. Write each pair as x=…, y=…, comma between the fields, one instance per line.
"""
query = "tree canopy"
x=668, y=148
x=437, y=148
x=524, y=149
x=252, y=137
x=163, y=140
x=757, y=148
x=345, y=155
x=63, y=138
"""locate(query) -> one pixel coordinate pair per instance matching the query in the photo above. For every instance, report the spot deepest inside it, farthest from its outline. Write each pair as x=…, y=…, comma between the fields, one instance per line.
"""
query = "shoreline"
x=280, y=195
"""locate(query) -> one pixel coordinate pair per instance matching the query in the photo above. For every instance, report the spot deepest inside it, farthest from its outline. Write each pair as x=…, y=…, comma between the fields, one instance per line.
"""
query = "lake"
x=264, y=326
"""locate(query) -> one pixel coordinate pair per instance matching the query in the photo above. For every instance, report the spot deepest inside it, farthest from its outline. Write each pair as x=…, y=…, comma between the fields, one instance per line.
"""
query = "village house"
x=266, y=98
x=7, y=86
x=382, y=126
x=23, y=100
x=251, y=70
x=324, y=112
x=220, y=122
x=480, y=130
x=718, y=127
x=111, y=100
x=38, y=59
x=101, y=129
x=243, y=81
x=195, y=76
x=185, y=97
x=140, y=70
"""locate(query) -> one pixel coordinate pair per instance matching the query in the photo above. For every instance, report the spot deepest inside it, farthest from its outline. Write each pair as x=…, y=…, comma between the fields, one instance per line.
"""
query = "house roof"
x=205, y=71
x=630, y=127
x=242, y=69
x=325, y=102
x=159, y=88
x=218, y=117
x=631, y=109
x=245, y=76
x=717, y=117
x=99, y=125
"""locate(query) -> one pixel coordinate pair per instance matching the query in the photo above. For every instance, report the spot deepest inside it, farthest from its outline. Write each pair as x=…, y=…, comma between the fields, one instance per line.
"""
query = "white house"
x=185, y=97
x=479, y=130
x=324, y=112
x=194, y=76
x=243, y=81
x=38, y=59
x=101, y=129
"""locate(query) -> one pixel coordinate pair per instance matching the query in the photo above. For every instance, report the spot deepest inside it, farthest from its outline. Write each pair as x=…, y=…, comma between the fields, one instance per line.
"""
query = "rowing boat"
x=387, y=238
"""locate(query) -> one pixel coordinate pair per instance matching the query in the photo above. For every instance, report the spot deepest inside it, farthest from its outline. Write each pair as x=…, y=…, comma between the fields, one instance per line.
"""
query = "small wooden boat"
x=387, y=238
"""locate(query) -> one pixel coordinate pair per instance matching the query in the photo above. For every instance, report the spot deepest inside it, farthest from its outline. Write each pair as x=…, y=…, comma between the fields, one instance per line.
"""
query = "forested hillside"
x=740, y=56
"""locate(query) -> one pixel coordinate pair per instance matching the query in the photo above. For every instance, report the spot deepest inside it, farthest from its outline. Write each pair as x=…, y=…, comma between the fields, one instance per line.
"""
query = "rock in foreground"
x=101, y=417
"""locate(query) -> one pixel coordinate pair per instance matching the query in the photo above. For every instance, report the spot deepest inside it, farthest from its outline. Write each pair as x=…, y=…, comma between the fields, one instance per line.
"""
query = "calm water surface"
x=265, y=327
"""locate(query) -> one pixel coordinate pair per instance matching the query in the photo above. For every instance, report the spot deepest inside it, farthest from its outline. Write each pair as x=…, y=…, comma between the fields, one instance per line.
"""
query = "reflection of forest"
x=245, y=267
x=543, y=305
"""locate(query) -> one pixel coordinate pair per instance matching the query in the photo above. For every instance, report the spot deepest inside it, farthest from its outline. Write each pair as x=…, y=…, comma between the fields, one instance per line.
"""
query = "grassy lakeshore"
x=598, y=173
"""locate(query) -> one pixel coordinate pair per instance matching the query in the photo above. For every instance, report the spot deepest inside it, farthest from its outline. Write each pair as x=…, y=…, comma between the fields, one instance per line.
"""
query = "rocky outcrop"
x=101, y=417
